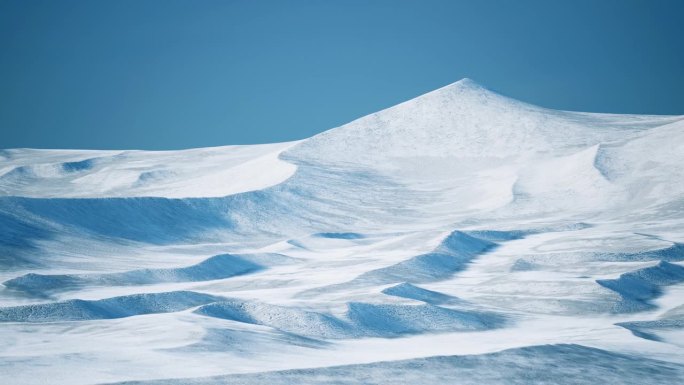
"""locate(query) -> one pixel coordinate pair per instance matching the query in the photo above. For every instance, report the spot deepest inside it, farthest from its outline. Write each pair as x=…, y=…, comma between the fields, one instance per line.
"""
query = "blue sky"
x=176, y=74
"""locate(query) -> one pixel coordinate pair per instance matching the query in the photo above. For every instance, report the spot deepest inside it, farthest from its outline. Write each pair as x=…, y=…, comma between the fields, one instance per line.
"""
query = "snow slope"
x=461, y=236
x=202, y=172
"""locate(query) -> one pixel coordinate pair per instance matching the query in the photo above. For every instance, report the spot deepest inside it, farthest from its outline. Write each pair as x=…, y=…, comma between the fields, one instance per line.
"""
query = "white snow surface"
x=459, y=237
x=201, y=172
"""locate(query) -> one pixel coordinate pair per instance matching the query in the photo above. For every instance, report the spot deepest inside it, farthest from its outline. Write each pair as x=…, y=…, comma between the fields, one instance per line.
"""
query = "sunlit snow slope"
x=459, y=237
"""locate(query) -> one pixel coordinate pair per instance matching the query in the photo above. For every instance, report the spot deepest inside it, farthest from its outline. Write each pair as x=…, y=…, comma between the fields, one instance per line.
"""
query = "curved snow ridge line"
x=361, y=319
x=32, y=173
x=217, y=267
x=648, y=166
x=285, y=319
x=567, y=182
x=455, y=252
x=639, y=287
x=108, y=308
x=452, y=255
x=572, y=364
x=18, y=177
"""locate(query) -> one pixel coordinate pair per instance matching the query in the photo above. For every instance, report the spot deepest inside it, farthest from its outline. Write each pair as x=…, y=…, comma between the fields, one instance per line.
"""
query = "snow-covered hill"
x=459, y=235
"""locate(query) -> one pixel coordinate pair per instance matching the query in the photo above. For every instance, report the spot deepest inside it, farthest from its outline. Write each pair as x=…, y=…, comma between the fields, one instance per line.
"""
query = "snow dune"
x=217, y=267
x=360, y=320
x=110, y=308
x=407, y=290
x=638, y=287
x=452, y=255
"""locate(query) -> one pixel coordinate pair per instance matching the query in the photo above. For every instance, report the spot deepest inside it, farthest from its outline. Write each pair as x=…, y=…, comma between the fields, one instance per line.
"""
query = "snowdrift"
x=361, y=319
x=216, y=267
x=407, y=290
x=451, y=256
x=637, y=288
x=109, y=308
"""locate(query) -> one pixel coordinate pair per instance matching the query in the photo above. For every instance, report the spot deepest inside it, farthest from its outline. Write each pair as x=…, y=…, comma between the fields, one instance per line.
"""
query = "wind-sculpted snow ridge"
x=216, y=267
x=361, y=319
x=289, y=320
x=301, y=205
x=547, y=364
x=406, y=290
x=109, y=308
x=395, y=320
x=639, y=287
x=451, y=256
x=430, y=242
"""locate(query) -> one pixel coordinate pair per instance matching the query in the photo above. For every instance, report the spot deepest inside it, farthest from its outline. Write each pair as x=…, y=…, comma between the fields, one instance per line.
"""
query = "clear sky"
x=175, y=74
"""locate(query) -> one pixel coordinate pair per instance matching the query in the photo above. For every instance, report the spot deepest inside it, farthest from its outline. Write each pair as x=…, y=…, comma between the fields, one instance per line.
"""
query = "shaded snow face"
x=429, y=242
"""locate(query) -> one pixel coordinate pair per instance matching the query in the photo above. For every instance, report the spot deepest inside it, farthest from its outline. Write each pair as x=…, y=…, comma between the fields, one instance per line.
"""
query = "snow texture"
x=459, y=237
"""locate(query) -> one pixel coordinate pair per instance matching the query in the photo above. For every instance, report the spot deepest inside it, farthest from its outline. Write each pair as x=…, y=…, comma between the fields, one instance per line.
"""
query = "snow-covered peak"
x=461, y=120
x=464, y=87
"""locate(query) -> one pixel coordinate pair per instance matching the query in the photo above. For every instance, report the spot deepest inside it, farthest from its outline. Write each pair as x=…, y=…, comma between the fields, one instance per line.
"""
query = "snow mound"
x=649, y=329
x=649, y=169
x=638, y=288
x=394, y=320
x=406, y=290
x=672, y=320
x=362, y=319
x=216, y=267
x=81, y=165
x=285, y=319
x=109, y=308
x=567, y=182
x=451, y=256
